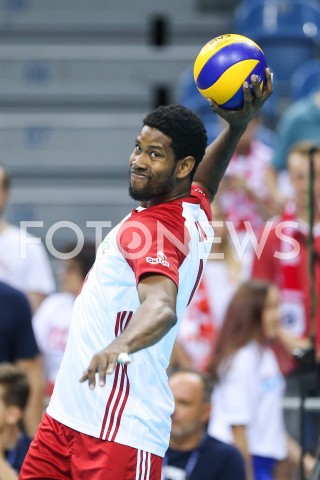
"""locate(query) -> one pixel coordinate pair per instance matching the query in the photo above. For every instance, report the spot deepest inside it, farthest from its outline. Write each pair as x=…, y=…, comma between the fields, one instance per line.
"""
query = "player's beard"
x=156, y=187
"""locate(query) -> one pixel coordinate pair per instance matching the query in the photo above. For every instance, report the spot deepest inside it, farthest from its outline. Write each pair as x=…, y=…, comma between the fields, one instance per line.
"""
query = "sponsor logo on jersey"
x=160, y=258
x=106, y=245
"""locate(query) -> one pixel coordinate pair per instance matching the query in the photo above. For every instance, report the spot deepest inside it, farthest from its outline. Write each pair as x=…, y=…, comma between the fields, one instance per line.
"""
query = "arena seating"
x=288, y=31
x=76, y=79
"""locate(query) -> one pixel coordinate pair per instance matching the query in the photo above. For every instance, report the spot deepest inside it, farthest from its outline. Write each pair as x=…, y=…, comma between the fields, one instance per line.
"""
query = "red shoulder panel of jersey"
x=197, y=191
x=155, y=240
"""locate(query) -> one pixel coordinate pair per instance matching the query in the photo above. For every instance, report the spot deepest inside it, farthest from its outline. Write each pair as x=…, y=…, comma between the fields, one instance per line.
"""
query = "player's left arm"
x=217, y=157
x=153, y=319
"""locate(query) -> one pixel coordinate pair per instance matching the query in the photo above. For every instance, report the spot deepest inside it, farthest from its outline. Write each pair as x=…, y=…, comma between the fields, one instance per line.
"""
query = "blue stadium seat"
x=289, y=18
x=288, y=31
x=305, y=79
x=189, y=96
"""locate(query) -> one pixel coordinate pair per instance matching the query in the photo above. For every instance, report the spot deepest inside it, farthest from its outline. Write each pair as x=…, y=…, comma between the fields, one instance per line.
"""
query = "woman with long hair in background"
x=247, y=399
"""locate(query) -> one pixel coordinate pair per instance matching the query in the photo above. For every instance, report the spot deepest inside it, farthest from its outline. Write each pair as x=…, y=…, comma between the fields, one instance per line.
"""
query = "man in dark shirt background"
x=192, y=453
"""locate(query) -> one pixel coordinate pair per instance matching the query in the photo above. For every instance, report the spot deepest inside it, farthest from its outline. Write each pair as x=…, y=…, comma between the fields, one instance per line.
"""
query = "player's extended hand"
x=252, y=103
x=104, y=363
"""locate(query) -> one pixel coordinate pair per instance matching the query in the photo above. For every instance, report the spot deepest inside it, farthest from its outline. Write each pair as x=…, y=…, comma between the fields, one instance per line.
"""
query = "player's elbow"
x=169, y=316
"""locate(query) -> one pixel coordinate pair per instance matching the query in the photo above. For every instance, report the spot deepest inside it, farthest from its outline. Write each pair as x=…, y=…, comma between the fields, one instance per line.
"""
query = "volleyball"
x=224, y=64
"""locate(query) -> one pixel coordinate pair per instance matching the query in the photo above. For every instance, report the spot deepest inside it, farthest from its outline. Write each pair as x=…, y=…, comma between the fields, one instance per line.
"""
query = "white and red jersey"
x=134, y=408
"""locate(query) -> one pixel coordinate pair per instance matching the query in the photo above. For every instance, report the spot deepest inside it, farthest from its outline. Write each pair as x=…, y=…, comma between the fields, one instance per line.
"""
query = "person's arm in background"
x=33, y=368
x=217, y=157
x=240, y=441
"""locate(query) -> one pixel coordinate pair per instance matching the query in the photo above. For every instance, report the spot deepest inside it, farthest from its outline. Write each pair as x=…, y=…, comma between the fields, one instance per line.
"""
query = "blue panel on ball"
x=259, y=70
x=224, y=59
x=235, y=102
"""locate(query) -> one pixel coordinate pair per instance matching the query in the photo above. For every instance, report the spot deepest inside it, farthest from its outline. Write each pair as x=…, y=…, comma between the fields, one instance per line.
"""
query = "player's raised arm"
x=217, y=157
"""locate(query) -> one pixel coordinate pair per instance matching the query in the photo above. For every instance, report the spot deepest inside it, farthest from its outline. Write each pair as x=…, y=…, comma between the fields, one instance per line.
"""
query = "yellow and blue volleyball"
x=224, y=64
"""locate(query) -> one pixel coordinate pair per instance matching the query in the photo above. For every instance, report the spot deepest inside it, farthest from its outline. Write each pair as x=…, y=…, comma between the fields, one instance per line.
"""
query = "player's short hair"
x=185, y=128
x=15, y=385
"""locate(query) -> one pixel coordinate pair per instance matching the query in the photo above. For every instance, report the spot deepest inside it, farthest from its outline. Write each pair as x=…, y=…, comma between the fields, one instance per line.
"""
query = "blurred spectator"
x=247, y=193
x=52, y=320
x=284, y=258
x=224, y=271
x=14, y=443
x=193, y=454
x=24, y=263
x=250, y=387
x=299, y=123
x=285, y=261
x=18, y=345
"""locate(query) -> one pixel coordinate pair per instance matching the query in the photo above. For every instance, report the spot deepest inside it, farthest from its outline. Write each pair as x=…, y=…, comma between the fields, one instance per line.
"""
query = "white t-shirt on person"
x=250, y=393
x=135, y=406
x=24, y=263
x=51, y=324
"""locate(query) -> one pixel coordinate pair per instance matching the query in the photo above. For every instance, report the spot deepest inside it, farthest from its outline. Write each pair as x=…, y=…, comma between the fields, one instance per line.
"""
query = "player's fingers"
x=213, y=105
x=269, y=77
x=256, y=86
x=102, y=370
x=84, y=377
x=91, y=372
x=111, y=365
x=247, y=97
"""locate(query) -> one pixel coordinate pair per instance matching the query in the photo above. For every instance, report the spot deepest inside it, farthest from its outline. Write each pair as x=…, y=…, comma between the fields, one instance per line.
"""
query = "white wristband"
x=124, y=358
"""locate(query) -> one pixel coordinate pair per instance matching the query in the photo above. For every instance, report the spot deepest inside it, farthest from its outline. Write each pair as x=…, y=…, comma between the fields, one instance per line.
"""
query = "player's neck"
x=188, y=443
x=168, y=197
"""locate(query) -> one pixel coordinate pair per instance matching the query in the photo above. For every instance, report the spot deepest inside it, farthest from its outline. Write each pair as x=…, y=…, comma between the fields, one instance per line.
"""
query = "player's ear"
x=185, y=166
